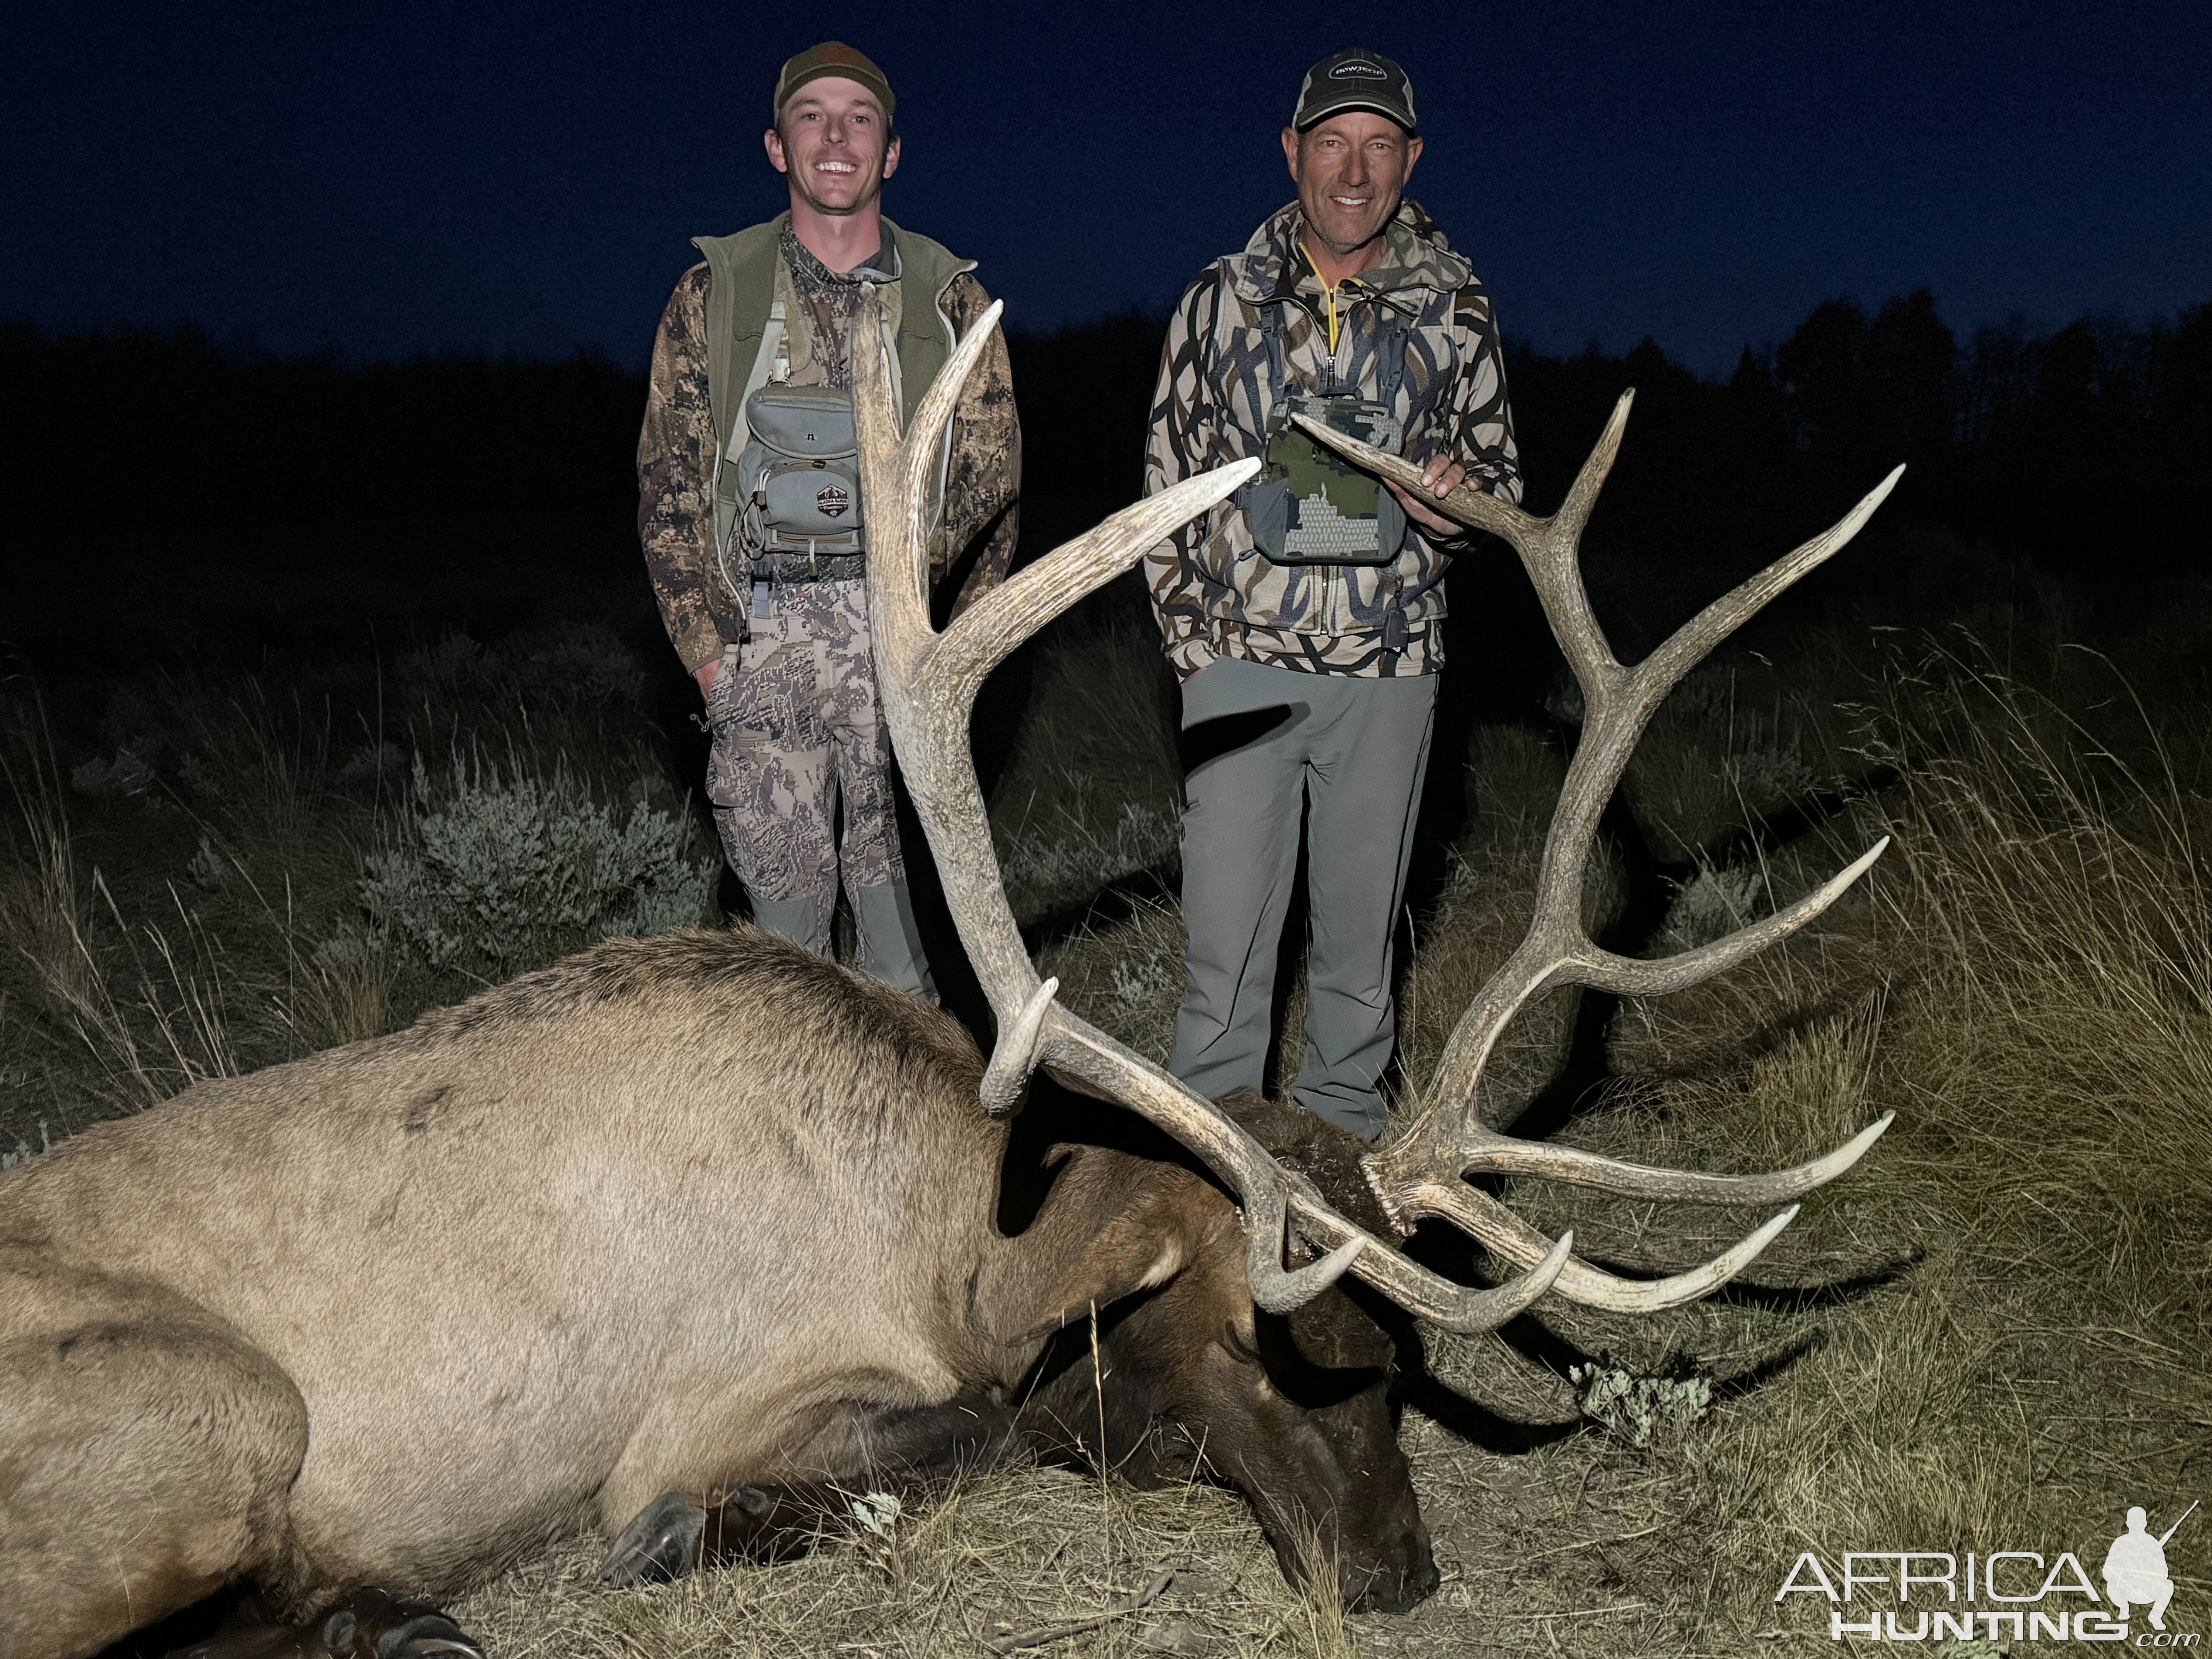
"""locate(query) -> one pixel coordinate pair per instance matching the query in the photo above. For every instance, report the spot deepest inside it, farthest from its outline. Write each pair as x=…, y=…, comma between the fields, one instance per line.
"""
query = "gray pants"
x=1347, y=764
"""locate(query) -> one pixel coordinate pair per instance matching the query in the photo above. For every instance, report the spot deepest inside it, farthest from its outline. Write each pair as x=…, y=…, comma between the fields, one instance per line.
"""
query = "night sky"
x=387, y=180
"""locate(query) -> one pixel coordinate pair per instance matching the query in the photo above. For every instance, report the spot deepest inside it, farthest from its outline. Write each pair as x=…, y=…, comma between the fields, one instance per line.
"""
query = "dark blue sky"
x=525, y=178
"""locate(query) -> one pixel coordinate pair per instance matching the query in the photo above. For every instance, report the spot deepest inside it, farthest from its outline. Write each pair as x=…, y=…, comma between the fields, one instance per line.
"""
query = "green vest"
x=741, y=289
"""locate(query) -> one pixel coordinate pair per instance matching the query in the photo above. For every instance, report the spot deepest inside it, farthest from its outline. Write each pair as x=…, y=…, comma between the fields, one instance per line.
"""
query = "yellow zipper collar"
x=1328, y=291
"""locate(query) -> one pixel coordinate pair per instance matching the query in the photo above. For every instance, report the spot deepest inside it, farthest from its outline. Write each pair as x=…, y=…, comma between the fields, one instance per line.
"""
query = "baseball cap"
x=832, y=57
x=1352, y=79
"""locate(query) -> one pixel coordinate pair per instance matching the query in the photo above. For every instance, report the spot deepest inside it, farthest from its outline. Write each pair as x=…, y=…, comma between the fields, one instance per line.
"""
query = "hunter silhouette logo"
x=2134, y=1568
x=2007, y=1596
x=832, y=501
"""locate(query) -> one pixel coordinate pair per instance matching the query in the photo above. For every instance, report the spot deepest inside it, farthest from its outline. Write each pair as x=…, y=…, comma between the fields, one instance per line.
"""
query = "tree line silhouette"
x=2085, y=448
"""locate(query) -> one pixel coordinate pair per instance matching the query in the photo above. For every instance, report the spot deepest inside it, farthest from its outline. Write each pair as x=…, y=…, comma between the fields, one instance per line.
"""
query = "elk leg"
x=677, y=1533
x=367, y=1624
x=146, y=1454
x=864, y=1447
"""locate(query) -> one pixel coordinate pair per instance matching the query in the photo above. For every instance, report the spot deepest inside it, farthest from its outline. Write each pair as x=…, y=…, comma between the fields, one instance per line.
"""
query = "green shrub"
x=1640, y=1408
x=499, y=872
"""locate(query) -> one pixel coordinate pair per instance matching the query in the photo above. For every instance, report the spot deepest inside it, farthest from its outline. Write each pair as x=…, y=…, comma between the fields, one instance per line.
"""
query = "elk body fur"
x=675, y=1214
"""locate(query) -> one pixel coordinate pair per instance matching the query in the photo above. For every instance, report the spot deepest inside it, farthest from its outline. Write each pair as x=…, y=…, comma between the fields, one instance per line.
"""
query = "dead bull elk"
x=672, y=1236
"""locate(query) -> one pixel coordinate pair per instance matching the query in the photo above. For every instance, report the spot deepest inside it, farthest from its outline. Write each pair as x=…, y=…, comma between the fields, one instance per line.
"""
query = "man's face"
x=831, y=141
x=1351, y=171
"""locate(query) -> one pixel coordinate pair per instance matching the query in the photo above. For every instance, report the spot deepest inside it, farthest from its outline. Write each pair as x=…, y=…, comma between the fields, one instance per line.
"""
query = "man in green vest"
x=750, y=514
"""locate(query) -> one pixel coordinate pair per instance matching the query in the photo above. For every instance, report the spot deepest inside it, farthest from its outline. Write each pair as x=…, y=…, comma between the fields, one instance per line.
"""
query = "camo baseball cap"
x=832, y=57
x=1352, y=79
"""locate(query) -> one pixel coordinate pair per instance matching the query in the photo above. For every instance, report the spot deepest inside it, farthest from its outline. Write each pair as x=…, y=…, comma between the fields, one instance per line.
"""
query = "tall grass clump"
x=2021, y=1360
x=44, y=909
x=142, y=1005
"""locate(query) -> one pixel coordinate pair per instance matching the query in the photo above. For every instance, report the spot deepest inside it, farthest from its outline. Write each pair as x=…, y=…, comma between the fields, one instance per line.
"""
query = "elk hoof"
x=662, y=1542
x=366, y=1624
x=422, y=1637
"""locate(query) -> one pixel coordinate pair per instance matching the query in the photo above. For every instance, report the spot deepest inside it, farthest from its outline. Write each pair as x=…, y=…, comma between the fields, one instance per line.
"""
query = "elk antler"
x=928, y=683
x=1420, y=1173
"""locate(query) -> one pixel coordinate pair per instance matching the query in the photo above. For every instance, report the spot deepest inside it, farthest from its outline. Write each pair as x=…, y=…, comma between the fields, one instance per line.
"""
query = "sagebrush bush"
x=568, y=661
x=1715, y=901
x=500, y=871
x=1640, y=1408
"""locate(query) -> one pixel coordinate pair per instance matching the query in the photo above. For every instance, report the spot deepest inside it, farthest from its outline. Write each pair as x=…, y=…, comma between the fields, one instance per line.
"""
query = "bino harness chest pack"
x=1308, y=504
x=795, y=454
x=784, y=480
x=798, y=472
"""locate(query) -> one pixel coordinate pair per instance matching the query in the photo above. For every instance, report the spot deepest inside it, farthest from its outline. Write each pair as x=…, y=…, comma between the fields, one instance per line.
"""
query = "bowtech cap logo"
x=1352, y=79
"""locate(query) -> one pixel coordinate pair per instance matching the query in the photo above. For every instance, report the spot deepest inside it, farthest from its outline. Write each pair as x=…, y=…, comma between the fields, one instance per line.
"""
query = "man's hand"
x=705, y=675
x=1440, y=477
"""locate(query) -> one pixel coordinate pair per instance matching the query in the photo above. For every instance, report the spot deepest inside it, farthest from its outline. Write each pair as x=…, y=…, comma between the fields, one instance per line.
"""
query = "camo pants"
x=797, y=735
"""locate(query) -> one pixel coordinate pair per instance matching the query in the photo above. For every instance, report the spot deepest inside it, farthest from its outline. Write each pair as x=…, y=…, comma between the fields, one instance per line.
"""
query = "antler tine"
x=1473, y=506
x=1547, y=547
x=1466, y=504
x=1497, y=1154
x=1582, y=498
x=1507, y=1235
x=1554, y=562
x=1690, y=643
x=894, y=483
x=1638, y=976
x=996, y=624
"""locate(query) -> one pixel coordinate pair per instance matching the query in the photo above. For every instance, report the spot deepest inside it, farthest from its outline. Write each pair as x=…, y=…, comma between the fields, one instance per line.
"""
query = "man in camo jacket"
x=779, y=641
x=1351, y=292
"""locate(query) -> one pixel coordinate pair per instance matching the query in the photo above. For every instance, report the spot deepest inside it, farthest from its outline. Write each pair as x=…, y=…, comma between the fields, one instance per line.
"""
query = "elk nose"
x=1422, y=1579
x=1399, y=1584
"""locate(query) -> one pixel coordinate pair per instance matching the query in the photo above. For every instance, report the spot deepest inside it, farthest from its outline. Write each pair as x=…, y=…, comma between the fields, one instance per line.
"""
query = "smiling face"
x=831, y=141
x=1351, y=171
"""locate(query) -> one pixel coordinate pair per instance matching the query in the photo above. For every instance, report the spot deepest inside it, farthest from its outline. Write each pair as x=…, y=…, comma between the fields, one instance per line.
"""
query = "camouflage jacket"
x=1215, y=594
x=676, y=456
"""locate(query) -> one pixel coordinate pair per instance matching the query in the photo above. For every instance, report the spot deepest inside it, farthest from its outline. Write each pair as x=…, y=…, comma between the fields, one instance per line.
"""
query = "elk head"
x=929, y=683
x=1295, y=1410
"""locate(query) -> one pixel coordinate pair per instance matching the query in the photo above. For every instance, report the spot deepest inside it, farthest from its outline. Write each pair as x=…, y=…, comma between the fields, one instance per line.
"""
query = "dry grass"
x=1010, y=1552
x=1092, y=791
x=2027, y=986
x=1998, y=1340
